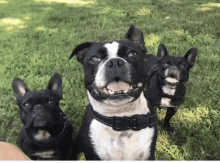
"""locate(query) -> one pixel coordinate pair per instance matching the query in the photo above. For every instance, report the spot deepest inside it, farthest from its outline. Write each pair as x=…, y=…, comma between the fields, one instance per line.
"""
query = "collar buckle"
x=134, y=123
x=125, y=123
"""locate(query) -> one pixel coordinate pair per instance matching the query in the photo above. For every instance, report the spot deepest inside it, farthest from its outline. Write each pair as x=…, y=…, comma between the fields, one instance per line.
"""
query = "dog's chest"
x=167, y=90
x=120, y=145
x=47, y=154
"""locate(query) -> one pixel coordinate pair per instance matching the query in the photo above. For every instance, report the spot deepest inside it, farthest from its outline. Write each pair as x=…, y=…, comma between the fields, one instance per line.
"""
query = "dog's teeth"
x=105, y=91
x=125, y=91
x=111, y=92
x=131, y=87
x=95, y=90
x=139, y=84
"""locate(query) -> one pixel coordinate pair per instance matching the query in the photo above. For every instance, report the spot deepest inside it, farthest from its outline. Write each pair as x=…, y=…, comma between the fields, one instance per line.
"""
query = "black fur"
x=178, y=68
x=39, y=110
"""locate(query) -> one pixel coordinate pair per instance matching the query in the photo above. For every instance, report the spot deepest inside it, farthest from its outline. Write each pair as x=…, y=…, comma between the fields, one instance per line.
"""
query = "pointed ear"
x=162, y=51
x=55, y=84
x=81, y=51
x=191, y=56
x=134, y=34
x=19, y=89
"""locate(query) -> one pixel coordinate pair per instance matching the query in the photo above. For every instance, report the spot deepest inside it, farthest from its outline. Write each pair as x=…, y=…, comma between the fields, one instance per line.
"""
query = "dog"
x=167, y=78
x=118, y=123
x=46, y=133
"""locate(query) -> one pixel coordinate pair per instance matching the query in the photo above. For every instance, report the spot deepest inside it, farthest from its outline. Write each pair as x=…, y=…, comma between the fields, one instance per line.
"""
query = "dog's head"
x=114, y=71
x=39, y=110
x=175, y=69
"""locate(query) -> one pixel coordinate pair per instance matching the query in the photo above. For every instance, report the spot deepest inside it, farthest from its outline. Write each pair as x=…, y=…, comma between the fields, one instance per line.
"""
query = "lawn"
x=37, y=37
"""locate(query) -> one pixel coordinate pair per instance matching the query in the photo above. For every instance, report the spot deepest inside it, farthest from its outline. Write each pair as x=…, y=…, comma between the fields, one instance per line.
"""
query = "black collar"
x=31, y=145
x=135, y=122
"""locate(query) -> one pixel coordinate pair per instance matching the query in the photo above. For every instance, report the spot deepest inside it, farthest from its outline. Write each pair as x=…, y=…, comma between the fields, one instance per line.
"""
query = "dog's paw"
x=168, y=128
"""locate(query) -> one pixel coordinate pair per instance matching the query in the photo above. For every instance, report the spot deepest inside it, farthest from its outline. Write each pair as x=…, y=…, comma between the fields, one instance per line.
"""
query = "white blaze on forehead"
x=112, y=49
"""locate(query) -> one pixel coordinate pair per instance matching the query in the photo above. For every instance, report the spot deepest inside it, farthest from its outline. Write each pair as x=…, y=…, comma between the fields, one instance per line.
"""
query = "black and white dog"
x=167, y=77
x=118, y=123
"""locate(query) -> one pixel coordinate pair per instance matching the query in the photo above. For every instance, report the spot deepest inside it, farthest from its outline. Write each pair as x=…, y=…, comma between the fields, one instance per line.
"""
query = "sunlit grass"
x=12, y=23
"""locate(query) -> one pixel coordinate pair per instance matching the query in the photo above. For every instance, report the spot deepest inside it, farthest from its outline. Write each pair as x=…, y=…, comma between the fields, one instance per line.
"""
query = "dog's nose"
x=173, y=68
x=38, y=107
x=117, y=62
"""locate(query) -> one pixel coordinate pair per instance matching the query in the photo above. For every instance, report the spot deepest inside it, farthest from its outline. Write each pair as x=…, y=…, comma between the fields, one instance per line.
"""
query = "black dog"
x=46, y=133
x=166, y=84
x=118, y=123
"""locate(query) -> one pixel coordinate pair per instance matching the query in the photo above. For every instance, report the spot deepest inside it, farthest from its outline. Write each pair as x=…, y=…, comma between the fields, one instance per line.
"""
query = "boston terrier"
x=46, y=133
x=167, y=77
x=118, y=123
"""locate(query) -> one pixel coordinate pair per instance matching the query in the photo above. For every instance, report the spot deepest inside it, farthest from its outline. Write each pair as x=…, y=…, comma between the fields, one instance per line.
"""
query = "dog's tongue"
x=172, y=80
x=117, y=86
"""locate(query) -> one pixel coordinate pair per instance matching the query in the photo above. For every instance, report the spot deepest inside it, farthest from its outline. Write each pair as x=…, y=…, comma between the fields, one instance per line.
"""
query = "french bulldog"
x=118, y=123
x=46, y=133
x=167, y=78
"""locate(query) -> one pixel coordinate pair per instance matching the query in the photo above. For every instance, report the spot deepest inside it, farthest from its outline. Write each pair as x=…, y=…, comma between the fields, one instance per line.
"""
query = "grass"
x=37, y=37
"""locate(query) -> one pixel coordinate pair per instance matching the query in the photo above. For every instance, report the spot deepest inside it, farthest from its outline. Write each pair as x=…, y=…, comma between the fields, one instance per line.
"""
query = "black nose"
x=38, y=108
x=173, y=68
x=115, y=63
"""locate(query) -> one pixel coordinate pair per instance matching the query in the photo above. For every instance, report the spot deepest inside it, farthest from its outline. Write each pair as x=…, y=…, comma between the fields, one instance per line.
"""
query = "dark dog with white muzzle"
x=118, y=123
x=167, y=77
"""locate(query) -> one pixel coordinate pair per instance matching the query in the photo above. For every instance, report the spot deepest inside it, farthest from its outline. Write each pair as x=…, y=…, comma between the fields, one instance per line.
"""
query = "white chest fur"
x=120, y=145
x=46, y=154
x=165, y=102
x=169, y=90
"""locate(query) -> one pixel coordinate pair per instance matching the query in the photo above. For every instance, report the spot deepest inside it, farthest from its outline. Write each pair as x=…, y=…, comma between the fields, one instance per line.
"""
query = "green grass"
x=37, y=37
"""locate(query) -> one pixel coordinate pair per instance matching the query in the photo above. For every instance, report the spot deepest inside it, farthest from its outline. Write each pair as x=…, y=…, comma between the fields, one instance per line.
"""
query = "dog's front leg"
x=170, y=112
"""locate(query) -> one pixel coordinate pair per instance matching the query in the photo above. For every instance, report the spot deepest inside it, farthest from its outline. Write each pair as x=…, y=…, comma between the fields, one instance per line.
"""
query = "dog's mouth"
x=119, y=87
x=171, y=80
x=39, y=122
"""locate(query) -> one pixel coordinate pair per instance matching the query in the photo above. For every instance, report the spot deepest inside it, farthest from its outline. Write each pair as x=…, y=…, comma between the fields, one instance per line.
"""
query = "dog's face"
x=39, y=110
x=175, y=69
x=114, y=71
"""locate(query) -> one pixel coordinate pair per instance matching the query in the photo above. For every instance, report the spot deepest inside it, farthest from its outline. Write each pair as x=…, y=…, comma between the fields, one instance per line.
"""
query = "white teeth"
x=125, y=91
x=139, y=84
x=95, y=90
x=131, y=87
x=111, y=92
x=105, y=91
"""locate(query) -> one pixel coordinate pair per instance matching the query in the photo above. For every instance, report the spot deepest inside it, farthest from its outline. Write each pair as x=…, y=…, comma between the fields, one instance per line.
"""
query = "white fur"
x=42, y=135
x=165, y=102
x=109, y=145
x=112, y=50
x=47, y=154
x=138, y=106
x=169, y=90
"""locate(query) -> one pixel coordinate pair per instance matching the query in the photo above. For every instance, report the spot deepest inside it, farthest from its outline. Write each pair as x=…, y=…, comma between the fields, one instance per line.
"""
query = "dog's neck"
x=139, y=106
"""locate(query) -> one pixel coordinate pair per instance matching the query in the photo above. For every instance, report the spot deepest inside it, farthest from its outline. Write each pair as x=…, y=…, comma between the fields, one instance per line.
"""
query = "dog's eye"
x=132, y=54
x=25, y=104
x=165, y=64
x=95, y=60
x=50, y=101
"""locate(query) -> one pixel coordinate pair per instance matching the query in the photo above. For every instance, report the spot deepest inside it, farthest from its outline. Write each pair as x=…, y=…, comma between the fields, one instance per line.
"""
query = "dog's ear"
x=162, y=51
x=134, y=34
x=55, y=84
x=191, y=56
x=81, y=51
x=19, y=89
